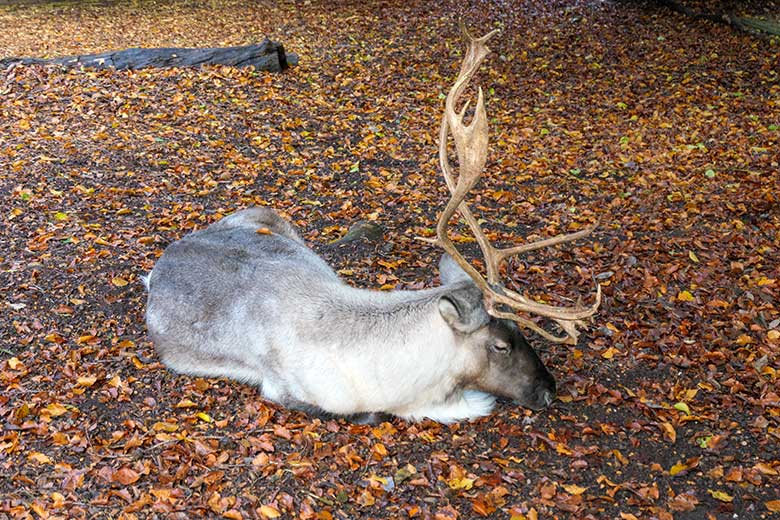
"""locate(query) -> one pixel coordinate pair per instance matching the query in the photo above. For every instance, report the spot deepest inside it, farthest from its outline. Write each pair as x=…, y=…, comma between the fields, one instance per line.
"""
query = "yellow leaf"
x=380, y=449
x=562, y=449
x=773, y=335
x=461, y=483
x=119, y=282
x=185, y=403
x=720, y=495
x=677, y=468
x=683, y=408
x=56, y=409
x=232, y=514
x=685, y=296
x=773, y=505
x=692, y=256
x=86, y=381
x=40, y=458
x=58, y=500
x=204, y=417
x=269, y=512
x=15, y=364
x=610, y=353
x=744, y=339
x=574, y=489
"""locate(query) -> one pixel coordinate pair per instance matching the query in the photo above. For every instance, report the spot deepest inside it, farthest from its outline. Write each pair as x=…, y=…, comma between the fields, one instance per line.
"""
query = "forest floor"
x=663, y=129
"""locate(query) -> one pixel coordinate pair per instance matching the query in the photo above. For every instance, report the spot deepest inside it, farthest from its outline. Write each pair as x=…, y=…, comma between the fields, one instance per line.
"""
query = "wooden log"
x=750, y=24
x=267, y=55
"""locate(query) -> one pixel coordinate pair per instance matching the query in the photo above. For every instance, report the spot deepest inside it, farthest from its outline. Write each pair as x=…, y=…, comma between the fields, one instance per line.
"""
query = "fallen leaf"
x=125, y=476
x=574, y=489
x=669, y=431
x=269, y=511
x=683, y=408
x=119, y=282
x=685, y=296
x=40, y=458
x=720, y=495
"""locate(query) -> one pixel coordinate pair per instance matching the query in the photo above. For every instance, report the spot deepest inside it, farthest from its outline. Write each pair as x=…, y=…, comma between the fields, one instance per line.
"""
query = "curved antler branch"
x=471, y=143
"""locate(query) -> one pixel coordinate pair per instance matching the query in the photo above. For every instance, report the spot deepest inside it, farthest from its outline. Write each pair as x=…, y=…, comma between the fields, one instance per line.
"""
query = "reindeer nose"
x=545, y=392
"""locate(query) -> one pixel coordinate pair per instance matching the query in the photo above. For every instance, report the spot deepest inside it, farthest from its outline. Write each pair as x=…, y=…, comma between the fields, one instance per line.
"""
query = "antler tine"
x=469, y=149
x=471, y=142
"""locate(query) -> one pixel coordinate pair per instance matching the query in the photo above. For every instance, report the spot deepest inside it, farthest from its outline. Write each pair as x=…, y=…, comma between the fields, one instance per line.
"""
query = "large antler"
x=471, y=143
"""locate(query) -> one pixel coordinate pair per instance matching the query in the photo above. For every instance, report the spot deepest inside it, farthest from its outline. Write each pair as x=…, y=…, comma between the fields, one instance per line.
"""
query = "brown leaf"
x=683, y=502
x=125, y=476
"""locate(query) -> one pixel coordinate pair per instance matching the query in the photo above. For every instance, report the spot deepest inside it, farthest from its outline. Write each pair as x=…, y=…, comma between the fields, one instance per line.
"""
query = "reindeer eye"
x=500, y=347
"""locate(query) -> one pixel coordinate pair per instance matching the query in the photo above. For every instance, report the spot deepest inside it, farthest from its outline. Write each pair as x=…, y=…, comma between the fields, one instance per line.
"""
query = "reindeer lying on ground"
x=246, y=298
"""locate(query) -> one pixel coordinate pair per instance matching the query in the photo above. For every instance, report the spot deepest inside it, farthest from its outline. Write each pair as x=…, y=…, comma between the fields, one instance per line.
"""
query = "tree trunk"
x=267, y=55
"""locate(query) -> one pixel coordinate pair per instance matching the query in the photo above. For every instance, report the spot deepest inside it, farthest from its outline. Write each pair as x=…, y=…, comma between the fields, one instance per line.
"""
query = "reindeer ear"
x=463, y=310
x=450, y=272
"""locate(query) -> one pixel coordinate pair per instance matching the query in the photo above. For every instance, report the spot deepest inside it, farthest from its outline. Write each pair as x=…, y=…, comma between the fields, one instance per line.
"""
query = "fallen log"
x=267, y=55
x=749, y=24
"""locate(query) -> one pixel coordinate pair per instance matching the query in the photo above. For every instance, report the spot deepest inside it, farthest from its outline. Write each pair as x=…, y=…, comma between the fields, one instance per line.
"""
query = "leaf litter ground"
x=663, y=129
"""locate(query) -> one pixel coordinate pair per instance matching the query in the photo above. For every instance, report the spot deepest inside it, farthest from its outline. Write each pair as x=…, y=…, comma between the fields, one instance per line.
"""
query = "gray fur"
x=266, y=310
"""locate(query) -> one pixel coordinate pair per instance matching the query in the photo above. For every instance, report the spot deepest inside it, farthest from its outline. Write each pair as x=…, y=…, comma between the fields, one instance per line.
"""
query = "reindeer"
x=245, y=298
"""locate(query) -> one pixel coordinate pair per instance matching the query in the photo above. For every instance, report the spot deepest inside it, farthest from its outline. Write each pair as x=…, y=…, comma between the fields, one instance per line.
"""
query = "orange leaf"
x=669, y=431
x=86, y=381
x=125, y=476
x=766, y=469
x=40, y=458
x=269, y=512
x=165, y=427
